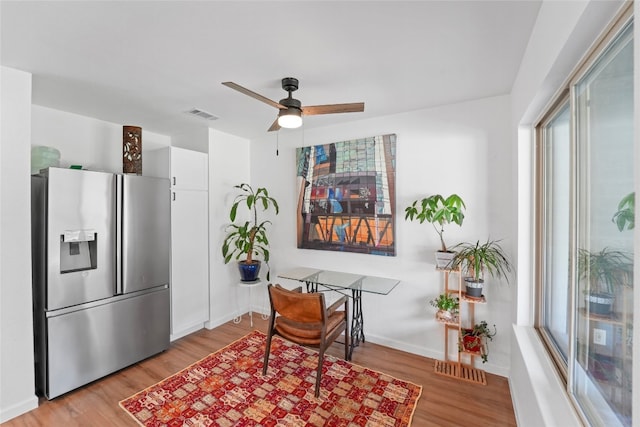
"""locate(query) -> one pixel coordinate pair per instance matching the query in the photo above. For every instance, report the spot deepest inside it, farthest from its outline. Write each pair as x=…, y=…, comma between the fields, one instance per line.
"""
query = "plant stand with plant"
x=457, y=368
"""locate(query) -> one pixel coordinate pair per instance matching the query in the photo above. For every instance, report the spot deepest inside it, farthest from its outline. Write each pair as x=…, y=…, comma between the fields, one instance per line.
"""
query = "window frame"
x=565, y=94
x=562, y=100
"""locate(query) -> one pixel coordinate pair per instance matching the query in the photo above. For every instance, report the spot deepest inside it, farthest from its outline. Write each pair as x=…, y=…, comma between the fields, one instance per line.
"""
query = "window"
x=555, y=143
x=585, y=251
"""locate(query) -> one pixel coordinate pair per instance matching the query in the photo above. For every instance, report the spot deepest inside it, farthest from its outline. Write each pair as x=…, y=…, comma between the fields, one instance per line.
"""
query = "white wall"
x=462, y=148
x=197, y=139
x=229, y=165
x=563, y=34
x=92, y=143
x=17, y=394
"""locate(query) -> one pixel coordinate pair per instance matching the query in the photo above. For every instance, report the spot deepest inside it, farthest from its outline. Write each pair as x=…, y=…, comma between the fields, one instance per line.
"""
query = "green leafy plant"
x=476, y=258
x=249, y=238
x=606, y=269
x=625, y=217
x=446, y=302
x=474, y=338
x=438, y=211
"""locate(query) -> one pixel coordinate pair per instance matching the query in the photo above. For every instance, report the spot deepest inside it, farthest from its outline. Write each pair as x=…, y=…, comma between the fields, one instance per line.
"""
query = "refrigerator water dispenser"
x=78, y=251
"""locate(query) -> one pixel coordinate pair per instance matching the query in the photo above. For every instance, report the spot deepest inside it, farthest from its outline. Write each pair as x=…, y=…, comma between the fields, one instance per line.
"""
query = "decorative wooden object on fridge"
x=132, y=150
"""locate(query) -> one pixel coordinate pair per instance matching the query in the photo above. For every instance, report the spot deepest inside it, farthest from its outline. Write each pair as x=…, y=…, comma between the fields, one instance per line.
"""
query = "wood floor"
x=444, y=401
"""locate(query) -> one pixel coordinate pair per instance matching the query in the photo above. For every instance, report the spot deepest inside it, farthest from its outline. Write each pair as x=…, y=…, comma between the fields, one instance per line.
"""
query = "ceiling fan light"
x=290, y=118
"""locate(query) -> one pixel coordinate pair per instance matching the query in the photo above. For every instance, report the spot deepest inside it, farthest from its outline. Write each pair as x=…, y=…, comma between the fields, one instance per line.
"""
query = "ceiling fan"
x=291, y=110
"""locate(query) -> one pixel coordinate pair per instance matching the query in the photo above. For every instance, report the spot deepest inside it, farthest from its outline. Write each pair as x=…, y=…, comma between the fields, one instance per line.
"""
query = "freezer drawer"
x=88, y=344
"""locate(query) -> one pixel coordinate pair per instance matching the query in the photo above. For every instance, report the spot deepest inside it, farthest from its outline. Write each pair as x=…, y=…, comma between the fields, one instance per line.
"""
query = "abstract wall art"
x=346, y=196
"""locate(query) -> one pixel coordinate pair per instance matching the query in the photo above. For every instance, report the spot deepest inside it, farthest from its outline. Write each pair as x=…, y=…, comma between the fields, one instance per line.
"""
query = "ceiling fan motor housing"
x=291, y=103
x=290, y=84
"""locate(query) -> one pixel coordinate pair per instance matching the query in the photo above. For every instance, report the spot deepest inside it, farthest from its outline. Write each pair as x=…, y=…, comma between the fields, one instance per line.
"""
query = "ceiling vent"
x=202, y=114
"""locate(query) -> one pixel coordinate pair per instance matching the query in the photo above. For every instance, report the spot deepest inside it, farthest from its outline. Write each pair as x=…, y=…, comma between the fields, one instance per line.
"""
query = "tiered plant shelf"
x=458, y=368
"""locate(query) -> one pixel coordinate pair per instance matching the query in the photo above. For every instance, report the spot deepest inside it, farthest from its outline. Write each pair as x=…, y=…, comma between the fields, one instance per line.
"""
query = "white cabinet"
x=187, y=171
x=189, y=261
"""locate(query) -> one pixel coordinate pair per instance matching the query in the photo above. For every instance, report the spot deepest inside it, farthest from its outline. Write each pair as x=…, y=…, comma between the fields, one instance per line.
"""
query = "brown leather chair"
x=304, y=319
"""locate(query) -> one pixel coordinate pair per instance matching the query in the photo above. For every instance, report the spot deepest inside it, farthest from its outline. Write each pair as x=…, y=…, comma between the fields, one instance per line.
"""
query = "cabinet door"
x=189, y=260
x=188, y=169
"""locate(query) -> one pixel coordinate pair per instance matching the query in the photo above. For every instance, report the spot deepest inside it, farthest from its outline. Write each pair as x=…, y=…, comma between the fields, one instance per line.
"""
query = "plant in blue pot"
x=249, y=238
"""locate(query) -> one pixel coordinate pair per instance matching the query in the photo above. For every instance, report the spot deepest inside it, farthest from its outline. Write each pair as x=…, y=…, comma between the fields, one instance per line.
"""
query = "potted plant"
x=438, y=211
x=249, y=238
x=474, y=339
x=626, y=214
x=603, y=271
x=448, y=306
x=475, y=259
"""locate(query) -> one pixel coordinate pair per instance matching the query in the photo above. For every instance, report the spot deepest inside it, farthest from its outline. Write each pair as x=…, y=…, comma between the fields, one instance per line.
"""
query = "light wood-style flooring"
x=444, y=401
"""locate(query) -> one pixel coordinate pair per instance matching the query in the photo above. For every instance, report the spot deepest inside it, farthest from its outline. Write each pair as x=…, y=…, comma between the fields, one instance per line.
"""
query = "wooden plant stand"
x=456, y=368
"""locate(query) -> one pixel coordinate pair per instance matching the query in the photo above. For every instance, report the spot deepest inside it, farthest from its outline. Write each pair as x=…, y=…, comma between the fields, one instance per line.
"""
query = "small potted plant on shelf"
x=448, y=306
x=603, y=271
x=477, y=258
x=474, y=340
x=438, y=211
x=249, y=238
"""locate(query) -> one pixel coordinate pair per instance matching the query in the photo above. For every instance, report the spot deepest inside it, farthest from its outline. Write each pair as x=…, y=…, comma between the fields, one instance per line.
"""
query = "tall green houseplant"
x=439, y=212
x=248, y=239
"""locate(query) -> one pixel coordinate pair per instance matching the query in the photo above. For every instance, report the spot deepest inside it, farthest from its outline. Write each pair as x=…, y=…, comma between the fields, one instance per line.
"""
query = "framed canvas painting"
x=346, y=196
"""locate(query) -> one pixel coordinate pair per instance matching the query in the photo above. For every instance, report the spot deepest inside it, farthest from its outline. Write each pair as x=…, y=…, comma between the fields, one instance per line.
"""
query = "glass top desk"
x=342, y=283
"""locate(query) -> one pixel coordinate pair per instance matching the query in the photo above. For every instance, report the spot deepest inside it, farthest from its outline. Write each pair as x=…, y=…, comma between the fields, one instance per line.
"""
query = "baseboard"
x=18, y=409
x=214, y=323
x=421, y=351
x=403, y=346
x=187, y=331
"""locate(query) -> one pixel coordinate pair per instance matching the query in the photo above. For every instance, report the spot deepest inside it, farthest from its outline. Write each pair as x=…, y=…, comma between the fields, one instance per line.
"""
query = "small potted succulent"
x=448, y=307
x=477, y=258
x=439, y=211
x=474, y=340
x=249, y=238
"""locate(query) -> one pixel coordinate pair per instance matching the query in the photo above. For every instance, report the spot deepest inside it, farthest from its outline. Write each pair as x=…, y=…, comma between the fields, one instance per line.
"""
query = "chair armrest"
x=338, y=303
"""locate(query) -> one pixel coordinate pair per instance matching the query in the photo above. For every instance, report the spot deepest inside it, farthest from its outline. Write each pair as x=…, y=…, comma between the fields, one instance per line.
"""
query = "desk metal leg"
x=312, y=287
x=357, y=321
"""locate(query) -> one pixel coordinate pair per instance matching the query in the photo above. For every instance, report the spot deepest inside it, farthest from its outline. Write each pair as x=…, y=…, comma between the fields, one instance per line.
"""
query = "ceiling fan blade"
x=274, y=126
x=254, y=95
x=314, y=110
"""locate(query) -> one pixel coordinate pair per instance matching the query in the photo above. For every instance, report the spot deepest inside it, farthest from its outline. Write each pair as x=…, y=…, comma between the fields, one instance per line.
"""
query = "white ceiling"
x=146, y=62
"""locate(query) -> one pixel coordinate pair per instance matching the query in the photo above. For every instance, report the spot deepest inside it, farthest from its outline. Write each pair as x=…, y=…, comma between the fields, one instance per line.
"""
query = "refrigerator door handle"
x=118, y=198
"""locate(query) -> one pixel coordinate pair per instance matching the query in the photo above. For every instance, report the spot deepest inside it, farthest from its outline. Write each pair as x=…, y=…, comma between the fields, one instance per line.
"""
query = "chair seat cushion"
x=308, y=333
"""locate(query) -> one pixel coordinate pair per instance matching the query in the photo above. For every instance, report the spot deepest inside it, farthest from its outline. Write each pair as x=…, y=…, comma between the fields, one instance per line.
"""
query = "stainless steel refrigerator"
x=100, y=250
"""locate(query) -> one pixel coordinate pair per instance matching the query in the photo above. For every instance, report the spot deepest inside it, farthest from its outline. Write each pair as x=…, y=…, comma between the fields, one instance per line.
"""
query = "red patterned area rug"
x=227, y=389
